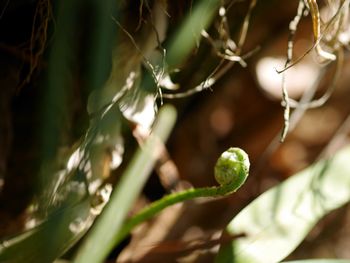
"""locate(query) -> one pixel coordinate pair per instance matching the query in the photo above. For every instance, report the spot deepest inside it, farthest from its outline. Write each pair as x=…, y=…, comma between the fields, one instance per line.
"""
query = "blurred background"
x=242, y=109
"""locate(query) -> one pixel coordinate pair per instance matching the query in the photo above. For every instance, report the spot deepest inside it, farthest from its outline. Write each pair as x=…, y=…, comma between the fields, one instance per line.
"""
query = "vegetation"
x=93, y=90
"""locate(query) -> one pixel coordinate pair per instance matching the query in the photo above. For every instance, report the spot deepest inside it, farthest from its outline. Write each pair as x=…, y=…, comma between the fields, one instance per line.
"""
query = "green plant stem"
x=171, y=199
x=231, y=170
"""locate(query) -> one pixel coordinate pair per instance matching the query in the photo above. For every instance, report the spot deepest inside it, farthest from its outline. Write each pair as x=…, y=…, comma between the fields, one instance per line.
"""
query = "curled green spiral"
x=232, y=167
x=231, y=171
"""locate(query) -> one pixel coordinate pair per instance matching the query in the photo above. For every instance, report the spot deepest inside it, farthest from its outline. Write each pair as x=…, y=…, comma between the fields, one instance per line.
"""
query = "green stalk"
x=231, y=171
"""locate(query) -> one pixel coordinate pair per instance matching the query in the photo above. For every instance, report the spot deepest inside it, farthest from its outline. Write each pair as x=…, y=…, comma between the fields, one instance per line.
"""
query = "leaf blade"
x=319, y=261
x=100, y=240
x=277, y=221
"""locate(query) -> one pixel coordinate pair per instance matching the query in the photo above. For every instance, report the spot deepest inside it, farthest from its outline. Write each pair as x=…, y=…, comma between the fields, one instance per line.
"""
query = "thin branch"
x=293, y=25
x=317, y=41
x=322, y=100
x=218, y=71
x=209, y=82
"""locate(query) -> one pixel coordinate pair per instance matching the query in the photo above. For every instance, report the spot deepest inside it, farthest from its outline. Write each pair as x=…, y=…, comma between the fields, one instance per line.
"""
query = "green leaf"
x=319, y=261
x=49, y=239
x=277, y=221
x=100, y=240
x=189, y=33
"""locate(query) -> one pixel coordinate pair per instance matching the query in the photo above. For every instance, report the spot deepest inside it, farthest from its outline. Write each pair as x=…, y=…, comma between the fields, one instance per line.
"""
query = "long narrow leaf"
x=48, y=240
x=190, y=31
x=100, y=241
